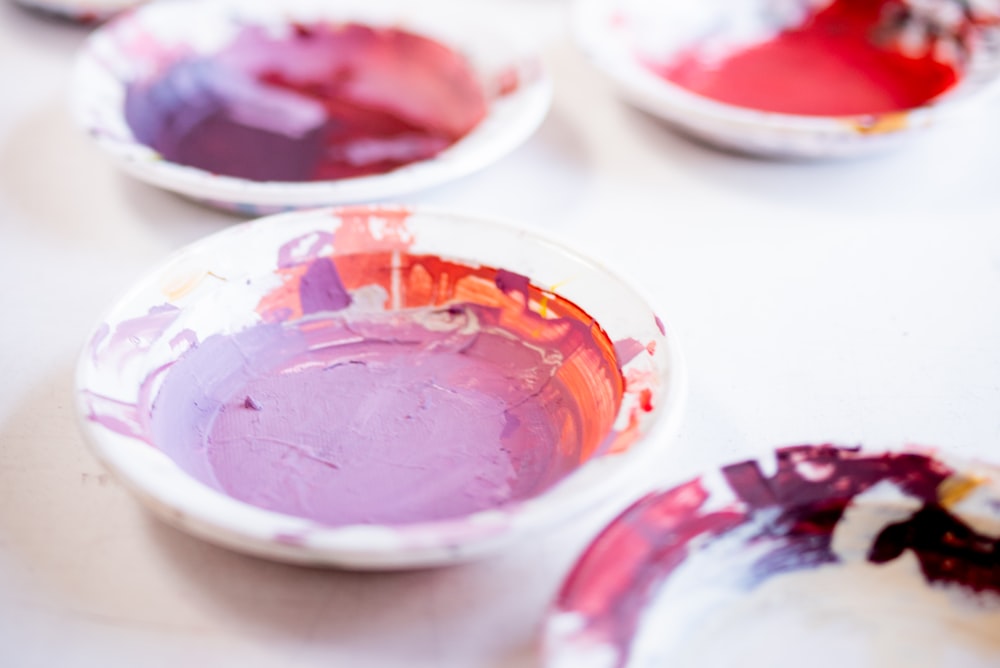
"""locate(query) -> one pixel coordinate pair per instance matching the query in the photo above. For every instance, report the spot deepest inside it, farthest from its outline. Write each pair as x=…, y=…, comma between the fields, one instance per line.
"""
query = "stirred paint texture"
x=390, y=387
x=842, y=60
x=317, y=102
x=783, y=523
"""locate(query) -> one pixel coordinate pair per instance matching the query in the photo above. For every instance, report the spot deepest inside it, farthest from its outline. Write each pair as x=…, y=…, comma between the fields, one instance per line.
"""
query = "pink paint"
x=841, y=61
x=321, y=102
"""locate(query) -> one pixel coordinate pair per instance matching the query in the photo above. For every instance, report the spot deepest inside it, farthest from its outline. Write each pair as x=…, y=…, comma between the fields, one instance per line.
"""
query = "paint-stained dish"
x=849, y=558
x=801, y=79
x=261, y=106
x=377, y=387
x=81, y=11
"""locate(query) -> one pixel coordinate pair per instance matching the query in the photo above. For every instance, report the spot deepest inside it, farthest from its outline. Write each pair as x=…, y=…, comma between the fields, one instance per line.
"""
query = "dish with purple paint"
x=377, y=387
x=849, y=558
x=259, y=106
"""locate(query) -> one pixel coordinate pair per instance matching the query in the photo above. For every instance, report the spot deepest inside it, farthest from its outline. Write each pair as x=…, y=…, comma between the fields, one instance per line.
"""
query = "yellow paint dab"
x=183, y=286
x=954, y=489
x=881, y=124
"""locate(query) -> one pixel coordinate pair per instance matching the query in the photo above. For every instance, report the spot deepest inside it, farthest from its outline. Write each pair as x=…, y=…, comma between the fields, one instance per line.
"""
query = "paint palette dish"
x=821, y=555
x=798, y=78
x=258, y=106
x=377, y=387
x=81, y=11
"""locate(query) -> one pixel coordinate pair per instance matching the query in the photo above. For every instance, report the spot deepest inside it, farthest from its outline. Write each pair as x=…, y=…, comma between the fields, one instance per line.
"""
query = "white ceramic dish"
x=218, y=286
x=83, y=11
x=617, y=35
x=513, y=79
x=818, y=556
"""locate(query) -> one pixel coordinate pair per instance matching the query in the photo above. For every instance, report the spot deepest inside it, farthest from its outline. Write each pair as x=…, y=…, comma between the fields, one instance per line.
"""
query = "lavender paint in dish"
x=366, y=387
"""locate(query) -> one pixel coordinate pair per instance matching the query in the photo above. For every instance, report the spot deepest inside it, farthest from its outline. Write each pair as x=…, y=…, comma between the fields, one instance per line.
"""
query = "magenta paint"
x=388, y=418
x=319, y=102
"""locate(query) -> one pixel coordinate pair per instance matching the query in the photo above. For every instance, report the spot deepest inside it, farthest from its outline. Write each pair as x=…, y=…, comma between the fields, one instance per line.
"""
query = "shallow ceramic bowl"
x=254, y=273
x=621, y=36
x=83, y=11
x=839, y=555
x=516, y=86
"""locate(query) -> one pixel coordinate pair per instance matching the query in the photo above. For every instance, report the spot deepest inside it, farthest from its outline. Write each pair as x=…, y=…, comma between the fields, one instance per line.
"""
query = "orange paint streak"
x=625, y=438
x=283, y=302
x=370, y=242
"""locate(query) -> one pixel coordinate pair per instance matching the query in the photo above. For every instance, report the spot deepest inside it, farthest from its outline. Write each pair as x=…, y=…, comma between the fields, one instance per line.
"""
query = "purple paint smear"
x=321, y=102
x=322, y=289
x=509, y=281
x=627, y=350
x=388, y=418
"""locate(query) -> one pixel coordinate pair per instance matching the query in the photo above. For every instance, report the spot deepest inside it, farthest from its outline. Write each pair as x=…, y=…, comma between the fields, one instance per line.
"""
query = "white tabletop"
x=852, y=302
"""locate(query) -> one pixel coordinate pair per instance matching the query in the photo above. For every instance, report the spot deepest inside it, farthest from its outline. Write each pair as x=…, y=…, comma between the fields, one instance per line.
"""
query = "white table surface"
x=850, y=302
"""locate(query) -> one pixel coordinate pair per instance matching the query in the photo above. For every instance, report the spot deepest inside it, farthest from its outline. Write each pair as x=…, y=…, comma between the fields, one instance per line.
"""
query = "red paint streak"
x=646, y=400
x=621, y=570
x=832, y=65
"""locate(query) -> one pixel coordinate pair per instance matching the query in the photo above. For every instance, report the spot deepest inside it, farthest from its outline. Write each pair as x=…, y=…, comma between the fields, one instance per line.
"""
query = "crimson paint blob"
x=340, y=414
x=323, y=102
x=839, y=62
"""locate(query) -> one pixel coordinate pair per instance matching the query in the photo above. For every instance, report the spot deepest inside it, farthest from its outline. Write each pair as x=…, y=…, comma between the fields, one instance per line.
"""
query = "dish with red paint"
x=377, y=387
x=254, y=106
x=807, y=78
x=823, y=555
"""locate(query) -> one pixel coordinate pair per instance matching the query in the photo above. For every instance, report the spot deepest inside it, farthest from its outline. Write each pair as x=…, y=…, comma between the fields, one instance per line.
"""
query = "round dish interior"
x=807, y=78
x=876, y=557
x=252, y=106
x=348, y=370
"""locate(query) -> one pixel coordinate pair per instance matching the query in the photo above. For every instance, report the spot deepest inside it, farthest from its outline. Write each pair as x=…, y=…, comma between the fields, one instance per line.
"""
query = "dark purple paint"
x=508, y=281
x=949, y=550
x=319, y=103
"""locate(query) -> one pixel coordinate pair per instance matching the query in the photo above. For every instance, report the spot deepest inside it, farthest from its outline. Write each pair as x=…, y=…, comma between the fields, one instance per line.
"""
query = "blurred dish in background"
x=805, y=78
x=256, y=106
x=823, y=556
x=82, y=11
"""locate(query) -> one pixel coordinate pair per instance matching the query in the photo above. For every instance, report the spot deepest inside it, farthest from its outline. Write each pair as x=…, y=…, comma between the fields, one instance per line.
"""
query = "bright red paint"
x=832, y=65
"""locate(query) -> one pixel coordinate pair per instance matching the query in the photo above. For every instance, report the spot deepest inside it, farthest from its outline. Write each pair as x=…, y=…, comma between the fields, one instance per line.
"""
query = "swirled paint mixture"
x=716, y=555
x=314, y=103
x=335, y=409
